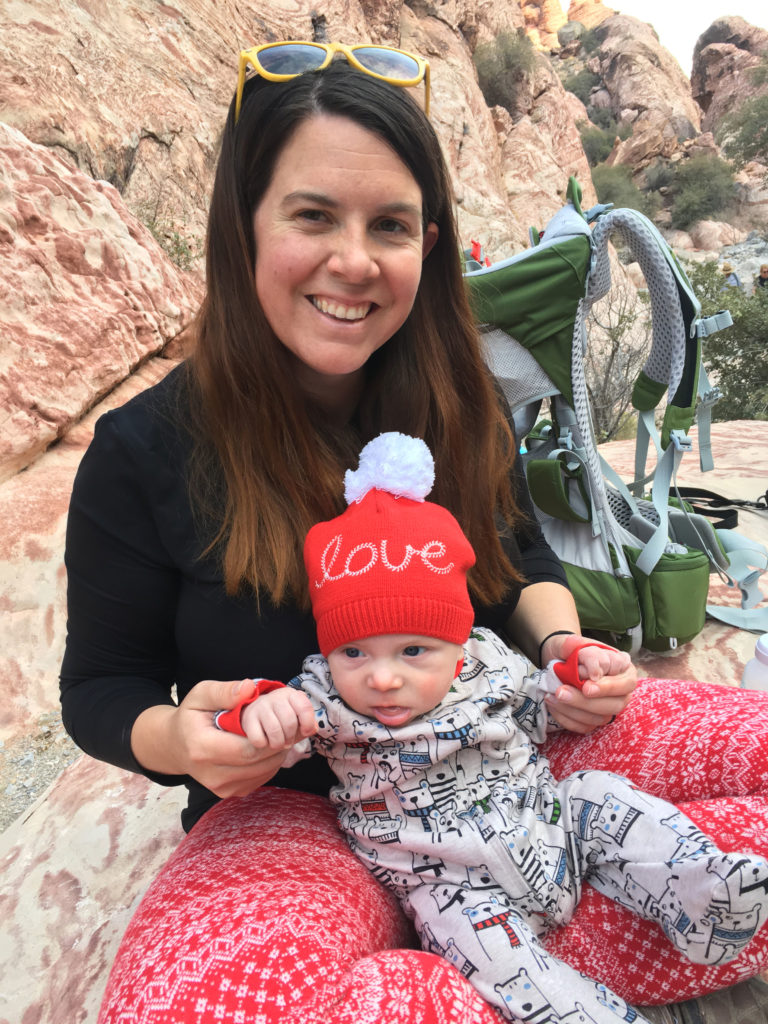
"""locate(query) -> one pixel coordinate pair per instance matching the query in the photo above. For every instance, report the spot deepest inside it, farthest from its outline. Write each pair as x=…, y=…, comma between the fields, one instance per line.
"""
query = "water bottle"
x=756, y=670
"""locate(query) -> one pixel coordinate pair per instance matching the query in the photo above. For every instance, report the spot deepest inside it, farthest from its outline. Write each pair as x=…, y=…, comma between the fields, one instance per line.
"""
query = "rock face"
x=645, y=83
x=87, y=294
x=722, y=59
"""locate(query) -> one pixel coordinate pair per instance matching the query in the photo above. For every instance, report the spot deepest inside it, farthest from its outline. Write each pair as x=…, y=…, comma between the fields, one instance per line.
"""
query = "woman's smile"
x=340, y=311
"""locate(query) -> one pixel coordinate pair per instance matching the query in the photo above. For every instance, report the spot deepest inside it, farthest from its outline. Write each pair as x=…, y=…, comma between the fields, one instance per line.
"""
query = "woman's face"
x=339, y=247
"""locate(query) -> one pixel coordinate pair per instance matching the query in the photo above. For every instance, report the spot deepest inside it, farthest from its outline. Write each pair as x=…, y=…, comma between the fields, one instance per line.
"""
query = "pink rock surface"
x=86, y=294
x=74, y=868
x=33, y=510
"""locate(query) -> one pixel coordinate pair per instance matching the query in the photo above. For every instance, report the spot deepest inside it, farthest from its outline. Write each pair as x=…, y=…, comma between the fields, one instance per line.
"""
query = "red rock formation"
x=644, y=81
x=722, y=59
x=542, y=20
x=86, y=295
x=589, y=12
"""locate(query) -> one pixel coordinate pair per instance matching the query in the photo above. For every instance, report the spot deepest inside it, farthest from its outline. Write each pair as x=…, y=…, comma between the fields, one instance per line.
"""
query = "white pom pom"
x=392, y=462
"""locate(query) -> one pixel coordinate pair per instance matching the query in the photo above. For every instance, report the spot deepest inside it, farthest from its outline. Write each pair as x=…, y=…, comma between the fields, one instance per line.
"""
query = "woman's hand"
x=184, y=741
x=609, y=679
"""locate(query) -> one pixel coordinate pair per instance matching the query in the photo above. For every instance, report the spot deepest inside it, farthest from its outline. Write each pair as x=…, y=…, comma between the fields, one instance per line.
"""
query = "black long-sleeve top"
x=146, y=612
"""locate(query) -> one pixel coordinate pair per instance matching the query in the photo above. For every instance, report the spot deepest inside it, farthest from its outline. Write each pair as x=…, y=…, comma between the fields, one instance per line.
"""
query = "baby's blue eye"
x=351, y=652
x=413, y=650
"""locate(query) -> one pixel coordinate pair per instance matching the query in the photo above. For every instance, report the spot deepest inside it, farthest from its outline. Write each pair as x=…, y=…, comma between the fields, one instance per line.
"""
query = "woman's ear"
x=431, y=233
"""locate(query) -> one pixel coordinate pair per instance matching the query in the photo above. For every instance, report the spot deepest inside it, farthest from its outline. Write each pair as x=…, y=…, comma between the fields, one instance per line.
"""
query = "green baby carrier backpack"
x=637, y=562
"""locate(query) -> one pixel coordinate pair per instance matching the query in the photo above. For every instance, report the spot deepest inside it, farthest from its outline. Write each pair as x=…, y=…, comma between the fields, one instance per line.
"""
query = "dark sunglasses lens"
x=291, y=59
x=387, y=63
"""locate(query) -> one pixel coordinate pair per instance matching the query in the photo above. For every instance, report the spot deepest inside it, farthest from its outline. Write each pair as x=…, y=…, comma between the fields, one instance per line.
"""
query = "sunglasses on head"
x=279, y=62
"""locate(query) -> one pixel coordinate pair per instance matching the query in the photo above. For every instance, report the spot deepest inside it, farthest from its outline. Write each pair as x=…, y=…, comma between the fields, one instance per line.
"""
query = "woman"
x=335, y=310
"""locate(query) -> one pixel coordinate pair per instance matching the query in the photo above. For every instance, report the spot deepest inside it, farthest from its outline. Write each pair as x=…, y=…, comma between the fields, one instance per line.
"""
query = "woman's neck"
x=338, y=396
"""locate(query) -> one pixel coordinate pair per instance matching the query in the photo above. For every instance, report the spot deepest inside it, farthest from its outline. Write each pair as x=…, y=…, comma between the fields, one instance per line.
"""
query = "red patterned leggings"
x=263, y=916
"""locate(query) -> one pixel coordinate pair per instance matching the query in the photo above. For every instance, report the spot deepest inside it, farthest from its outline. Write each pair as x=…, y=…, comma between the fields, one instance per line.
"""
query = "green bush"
x=582, y=83
x=702, y=187
x=598, y=141
x=503, y=66
x=603, y=118
x=615, y=185
x=744, y=134
x=736, y=357
x=659, y=175
x=590, y=41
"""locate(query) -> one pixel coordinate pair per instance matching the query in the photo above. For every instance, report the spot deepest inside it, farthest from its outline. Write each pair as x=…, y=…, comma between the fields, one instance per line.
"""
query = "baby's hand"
x=279, y=719
x=607, y=679
x=597, y=662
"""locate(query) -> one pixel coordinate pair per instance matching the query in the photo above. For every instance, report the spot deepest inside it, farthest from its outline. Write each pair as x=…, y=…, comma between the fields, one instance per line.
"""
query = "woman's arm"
x=123, y=598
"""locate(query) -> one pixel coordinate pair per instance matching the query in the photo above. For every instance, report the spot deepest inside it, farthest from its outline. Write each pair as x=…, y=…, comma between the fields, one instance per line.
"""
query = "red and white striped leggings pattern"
x=263, y=916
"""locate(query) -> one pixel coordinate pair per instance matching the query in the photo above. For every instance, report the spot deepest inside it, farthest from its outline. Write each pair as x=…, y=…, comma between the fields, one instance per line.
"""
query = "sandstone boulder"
x=543, y=19
x=752, y=193
x=589, y=12
x=87, y=295
x=33, y=510
x=678, y=240
x=714, y=235
x=653, y=137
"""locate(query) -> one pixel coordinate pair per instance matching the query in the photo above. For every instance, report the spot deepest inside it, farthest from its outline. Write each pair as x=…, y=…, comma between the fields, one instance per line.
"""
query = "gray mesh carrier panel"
x=666, y=362
x=521, y=377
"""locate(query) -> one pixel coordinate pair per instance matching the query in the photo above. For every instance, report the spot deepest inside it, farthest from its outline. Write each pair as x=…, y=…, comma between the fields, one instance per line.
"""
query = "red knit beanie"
x=392, y=562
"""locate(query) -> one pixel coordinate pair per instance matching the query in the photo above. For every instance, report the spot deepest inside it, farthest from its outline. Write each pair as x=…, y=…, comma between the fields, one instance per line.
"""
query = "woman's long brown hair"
x=267, y=464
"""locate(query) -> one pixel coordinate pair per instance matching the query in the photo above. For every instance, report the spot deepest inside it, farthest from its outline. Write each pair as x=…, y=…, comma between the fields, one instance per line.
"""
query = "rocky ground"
x=29, y=764
x=747, y=256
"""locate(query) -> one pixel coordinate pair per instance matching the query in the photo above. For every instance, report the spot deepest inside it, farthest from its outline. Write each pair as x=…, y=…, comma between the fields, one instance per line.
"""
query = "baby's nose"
x=384, y=676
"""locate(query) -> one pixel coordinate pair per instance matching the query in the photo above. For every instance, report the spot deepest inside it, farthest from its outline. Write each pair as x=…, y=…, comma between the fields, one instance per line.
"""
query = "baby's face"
x=394, y=678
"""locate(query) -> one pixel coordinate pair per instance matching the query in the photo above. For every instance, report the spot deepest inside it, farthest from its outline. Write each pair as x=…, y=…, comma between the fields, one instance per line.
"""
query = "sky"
x=679, y=23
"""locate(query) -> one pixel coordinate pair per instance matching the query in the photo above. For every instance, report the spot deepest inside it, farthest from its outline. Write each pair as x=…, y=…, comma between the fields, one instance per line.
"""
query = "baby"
x=432, y=729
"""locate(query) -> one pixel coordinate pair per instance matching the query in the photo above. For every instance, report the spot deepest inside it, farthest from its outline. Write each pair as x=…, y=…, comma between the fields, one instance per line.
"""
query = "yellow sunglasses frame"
x=331, y=49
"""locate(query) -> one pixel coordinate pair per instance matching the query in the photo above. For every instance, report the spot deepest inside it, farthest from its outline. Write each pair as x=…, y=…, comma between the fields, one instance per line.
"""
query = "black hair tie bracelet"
x=556, y=632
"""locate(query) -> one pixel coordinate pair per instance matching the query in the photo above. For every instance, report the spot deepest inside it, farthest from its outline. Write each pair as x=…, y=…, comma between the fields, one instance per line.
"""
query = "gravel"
x=29, y=764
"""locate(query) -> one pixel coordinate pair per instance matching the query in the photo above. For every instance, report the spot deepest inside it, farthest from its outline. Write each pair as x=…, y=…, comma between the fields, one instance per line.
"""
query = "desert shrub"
x=736, y=358
x=619, y=343
x=590, y=41
x=744, y=134
x=597, y=142
x=503, y=65
x=582, y=83
x=702, y=187
x=659, y=175
x=603, y=118
x=615, y=185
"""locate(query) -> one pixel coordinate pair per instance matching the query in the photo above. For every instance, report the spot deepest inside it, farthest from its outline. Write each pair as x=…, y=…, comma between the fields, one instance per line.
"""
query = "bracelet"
x=555, y=632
